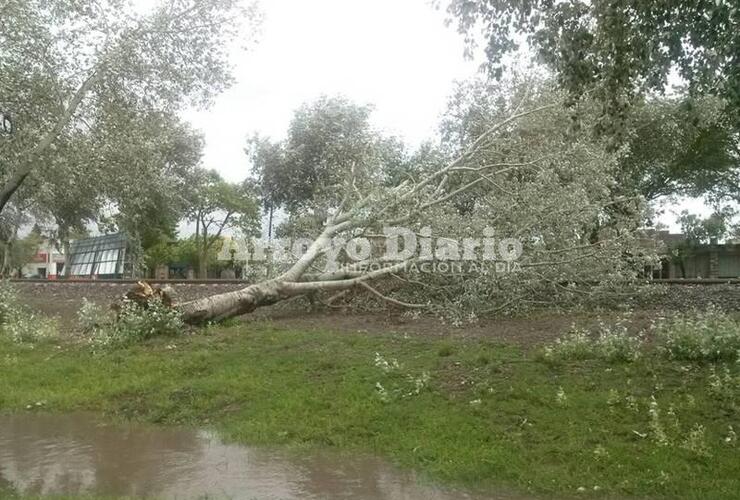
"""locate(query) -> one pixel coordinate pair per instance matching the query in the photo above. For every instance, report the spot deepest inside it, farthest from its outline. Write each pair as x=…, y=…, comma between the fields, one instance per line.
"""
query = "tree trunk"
x=203, y=258
x=202, y=266
x=5, y=270
x=67, y=260
x=200, y=243
x=227, y=305
x=269, y=224
x=63, y=246
x=8, y=252
x=246, y=300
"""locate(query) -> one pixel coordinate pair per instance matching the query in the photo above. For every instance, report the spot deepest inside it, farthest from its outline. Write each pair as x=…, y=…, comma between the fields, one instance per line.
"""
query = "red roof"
x=40, y=258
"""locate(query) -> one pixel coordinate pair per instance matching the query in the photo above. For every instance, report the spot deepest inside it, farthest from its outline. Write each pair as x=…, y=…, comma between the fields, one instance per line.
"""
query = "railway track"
x=713, y=281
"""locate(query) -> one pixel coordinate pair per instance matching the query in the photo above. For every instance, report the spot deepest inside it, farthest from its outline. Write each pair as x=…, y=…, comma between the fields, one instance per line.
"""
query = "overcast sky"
x=394, y=54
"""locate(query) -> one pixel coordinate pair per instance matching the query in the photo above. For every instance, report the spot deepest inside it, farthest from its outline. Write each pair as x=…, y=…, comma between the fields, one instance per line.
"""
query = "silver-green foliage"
x=700, y=336
x=710, y=335
x=98, y=66
x=18, y=322
x=133, y=323
x=611, y=342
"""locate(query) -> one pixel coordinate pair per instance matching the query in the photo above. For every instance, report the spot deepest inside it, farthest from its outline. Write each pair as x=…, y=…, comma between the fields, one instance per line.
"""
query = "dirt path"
x=63, y=302
x=531, y=330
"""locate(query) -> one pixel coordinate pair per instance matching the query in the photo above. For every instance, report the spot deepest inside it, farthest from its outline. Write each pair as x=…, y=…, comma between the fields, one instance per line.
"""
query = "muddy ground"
x=64, y=300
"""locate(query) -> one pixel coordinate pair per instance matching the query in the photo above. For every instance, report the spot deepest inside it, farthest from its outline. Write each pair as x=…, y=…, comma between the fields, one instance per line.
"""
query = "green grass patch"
x=468, y=412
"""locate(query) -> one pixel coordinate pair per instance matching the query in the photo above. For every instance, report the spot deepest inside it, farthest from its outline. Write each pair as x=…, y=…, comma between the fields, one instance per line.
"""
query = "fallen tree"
x=549, y=184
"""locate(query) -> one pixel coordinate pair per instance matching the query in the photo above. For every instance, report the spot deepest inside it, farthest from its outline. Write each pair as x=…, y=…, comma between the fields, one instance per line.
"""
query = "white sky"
x=394, y=54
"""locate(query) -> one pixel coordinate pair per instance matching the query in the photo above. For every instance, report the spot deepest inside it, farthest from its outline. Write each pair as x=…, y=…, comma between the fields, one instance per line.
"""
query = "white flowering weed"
x=710, y=335
x=19, y=323
x=133, y=323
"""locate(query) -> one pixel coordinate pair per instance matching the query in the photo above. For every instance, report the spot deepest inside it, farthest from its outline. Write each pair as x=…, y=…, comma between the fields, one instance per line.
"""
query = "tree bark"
x=227, y=305
x=67, y=260
x=244, y=301
x=269, y=224
x=5, y=269
x=29, y=163
x=202, y=266
x=8, y=251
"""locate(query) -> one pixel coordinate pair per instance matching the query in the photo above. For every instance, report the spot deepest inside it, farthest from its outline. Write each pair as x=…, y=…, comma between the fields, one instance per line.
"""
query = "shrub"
x=8, y=301
x=91, y=316
x=18, y=322
x=610, y=342
x=133, y=323
x=576, y=344
x=724, y=385
x=27, y=327
x=614, y=342
x=711, y=335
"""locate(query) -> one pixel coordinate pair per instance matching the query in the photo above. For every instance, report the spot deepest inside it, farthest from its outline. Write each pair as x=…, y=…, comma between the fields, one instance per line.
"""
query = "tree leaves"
x=331, y=151
x=616, y=50
x=70, y=67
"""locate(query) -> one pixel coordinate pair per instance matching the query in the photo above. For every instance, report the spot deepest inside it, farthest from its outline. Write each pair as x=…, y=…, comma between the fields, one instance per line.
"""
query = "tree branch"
x=310, y=286
x=390, y=299
x=28, y=165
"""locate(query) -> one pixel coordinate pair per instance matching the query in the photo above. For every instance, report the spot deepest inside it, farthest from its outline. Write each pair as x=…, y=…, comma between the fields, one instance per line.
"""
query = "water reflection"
x=75, y=453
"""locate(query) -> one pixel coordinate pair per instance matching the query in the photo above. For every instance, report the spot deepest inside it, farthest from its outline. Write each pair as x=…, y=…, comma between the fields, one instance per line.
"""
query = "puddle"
x=76, y=453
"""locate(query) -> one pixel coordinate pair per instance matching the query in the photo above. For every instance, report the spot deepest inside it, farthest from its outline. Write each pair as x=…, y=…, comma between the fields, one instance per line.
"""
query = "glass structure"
x=100, y=256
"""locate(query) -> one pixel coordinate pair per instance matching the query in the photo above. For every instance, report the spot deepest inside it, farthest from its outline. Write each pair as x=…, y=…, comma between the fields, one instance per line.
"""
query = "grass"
x=463, y=411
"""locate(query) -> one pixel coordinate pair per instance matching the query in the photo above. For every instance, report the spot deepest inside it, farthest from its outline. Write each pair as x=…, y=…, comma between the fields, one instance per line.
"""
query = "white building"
x=48, y=263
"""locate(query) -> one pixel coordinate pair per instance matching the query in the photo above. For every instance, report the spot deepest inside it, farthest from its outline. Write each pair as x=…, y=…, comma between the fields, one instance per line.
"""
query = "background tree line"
x=584, y=152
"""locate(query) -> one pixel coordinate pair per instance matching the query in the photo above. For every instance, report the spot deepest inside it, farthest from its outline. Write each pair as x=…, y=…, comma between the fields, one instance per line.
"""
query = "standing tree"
x=681, y=147
x=67, y=65
x=149, y=170
x=14, y=252
x=329, y=141
x=615, y=50
x=122, y=178
x=219, y=206
x=72, y=200
x=20, y=252
x=268, y=160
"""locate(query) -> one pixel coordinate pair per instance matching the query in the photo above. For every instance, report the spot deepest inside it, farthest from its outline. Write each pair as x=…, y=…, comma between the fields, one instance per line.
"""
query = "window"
x=101, y=256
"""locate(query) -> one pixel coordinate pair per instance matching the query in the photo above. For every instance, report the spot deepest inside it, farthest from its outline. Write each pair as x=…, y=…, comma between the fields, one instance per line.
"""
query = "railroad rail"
x=688, y=281
x=133, y=281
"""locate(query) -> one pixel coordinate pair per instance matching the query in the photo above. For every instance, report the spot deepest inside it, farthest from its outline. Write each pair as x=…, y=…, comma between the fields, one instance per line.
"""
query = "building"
x=47, y=263
x=703, y=261
x=107, y=257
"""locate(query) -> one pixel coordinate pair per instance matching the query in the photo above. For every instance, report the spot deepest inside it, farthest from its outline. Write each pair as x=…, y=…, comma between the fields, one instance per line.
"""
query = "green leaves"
x=216, y=206
x=145, y=66
x=681, y=146
x=615, y=51
x=331, y=150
